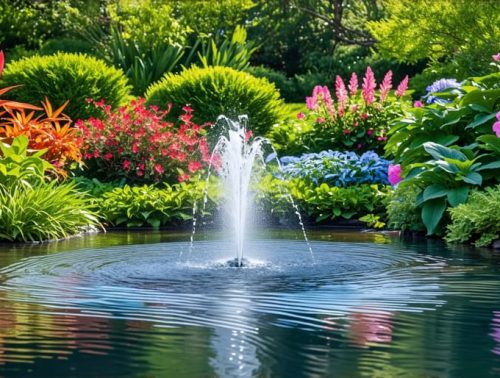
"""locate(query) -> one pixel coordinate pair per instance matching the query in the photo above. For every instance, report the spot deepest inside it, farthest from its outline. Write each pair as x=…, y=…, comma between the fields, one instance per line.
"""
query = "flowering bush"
x=337, y=168
x=134, y=142
x=358, y=119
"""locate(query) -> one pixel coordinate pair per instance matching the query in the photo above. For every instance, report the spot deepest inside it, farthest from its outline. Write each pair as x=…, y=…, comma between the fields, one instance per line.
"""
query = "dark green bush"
x=402, y=210
x=68, y=45
x=477, y=220
x=64, y=76
x=286, y=86
x=213, y=91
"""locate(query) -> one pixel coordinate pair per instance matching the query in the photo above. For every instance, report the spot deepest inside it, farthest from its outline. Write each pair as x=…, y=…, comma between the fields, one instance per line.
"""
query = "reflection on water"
x=123, y=305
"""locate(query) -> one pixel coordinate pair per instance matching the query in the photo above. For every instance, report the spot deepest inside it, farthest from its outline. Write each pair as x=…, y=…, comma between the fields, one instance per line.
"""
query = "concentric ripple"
x=355, y=288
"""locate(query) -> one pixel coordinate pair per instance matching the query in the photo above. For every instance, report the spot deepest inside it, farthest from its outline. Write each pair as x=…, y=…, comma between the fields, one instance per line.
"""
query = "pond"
x=145, y=304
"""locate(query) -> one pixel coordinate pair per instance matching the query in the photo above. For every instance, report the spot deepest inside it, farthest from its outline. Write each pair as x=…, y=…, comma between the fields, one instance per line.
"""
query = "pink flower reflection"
x=495, y=327
x=367, y=328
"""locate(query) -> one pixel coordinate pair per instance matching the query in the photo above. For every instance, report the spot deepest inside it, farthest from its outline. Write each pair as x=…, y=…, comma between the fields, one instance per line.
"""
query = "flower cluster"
x=136, y=142
x=440, y=86
x=337, y=168
x=358, y=119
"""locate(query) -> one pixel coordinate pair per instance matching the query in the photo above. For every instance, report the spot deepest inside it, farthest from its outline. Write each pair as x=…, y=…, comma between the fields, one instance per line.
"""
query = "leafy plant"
x=50, y=131
x=66, y=76
x=18, y=166
x=43, y=211
x=402, y=210
x=323, y=202
x=234, y=52
x=463, y=155
x=477, y=220
x=213, y=91
x=152, y=206
x=135, y=143
x=337, y=168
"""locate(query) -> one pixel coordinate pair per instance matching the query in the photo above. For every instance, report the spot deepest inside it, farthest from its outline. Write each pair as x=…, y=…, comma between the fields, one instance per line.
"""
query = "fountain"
x=236, y=158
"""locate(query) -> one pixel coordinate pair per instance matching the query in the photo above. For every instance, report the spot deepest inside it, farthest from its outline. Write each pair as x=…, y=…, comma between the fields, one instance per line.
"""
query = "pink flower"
x=386, y=85
x=126, y=165
x=496, y=125
x=187, y=109
x=320, y=120
x=394, y=174
x=496, y=57
x=353, y=84
x=370, y=131
x=418, y=104
x=300, y=115
x=368, y=86
x=364, y=116
x=2, y=62
x=311, y=103
x=354, y=108
x=183, y=177
x=108, y=156
x=402, y=87
x=193, y=166
x=341, y=93
x=159, y=169
x=248, y=134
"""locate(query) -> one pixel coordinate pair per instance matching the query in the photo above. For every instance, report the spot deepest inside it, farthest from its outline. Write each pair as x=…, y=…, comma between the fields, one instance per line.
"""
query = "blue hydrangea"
x=337, y=168
x=440, y=86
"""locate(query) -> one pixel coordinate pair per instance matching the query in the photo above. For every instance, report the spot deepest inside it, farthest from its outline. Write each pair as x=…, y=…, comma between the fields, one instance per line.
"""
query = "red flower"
x=159, y=169
x=193, y=166
x=2, y=62
x=184, y=177
x=126, y=165
x=108, y=156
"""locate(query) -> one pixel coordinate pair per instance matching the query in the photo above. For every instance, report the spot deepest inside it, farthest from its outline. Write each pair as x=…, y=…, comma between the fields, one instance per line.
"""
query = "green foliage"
x=94, y=187
x=143, y=64
x=323, y=202
x=463, y=154
x=152, y=206
x=372, y=221
x=461, y=32
x=213, y=91
x=17, y=166
x=234, y=52
x=402, y=210
x=43, y=211
x=147, y=22
x=289, y=89
x=66, y=76
x=477, y=220
x=67, y=45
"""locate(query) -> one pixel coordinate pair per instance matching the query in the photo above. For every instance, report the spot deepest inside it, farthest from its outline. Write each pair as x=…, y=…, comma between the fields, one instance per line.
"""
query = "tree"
x=462, y=34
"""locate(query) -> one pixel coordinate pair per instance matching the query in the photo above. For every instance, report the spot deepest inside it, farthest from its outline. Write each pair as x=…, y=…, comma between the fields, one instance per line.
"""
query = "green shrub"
x=213, y=91
x=323, y=202
x=67, y=45
x=287, y=87
x=477, y=220
x=152, y=206
x=62, y=77
x=402, y=210
x=43, y=212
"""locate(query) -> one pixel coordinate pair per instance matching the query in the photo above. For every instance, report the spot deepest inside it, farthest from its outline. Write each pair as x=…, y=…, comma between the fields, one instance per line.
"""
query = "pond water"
x=142, y=304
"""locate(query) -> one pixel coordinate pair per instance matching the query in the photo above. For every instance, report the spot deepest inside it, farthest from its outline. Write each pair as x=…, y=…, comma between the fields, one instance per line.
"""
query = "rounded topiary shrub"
x=213, y=91
x=63, y=76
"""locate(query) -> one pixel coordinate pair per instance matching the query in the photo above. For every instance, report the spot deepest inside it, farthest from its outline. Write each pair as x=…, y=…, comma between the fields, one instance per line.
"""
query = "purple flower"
x=394, y=174
x=439, y=86
x=496, y=125
x=418, y=104
x=496, y=57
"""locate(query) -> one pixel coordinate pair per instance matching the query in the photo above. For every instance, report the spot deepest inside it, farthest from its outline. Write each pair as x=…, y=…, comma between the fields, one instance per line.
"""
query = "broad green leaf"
x=435, y=191
x=457, y=196
x=492, y=165
x=432, y=212
x=480, y=119
x=473, y=178
x=438, y=152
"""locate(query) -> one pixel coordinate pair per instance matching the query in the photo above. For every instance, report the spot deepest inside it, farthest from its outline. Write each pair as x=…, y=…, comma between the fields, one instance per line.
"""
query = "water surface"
x=142, y=304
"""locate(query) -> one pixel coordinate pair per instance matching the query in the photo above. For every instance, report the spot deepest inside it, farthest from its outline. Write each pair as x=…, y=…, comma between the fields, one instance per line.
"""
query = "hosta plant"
x=449, y=147
x=136, y=143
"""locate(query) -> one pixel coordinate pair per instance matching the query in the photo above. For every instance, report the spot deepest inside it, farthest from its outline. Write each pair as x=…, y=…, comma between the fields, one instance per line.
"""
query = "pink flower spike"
x=418, y=104
x=402, y=87
x=386, y=85
x=368, y=86
x=340, y=90
x=496, y=57
x=2, y=62
x=311, y=103
x=353, y=84
x=394, y=174
x=300, y=115
x=496, y=126
x=320, y=120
